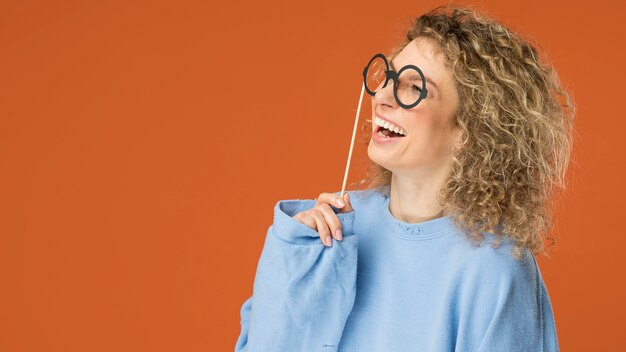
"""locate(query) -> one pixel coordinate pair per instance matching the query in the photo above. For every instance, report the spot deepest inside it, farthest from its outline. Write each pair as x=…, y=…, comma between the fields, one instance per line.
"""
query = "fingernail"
x=338, y=235
x=329, y=241
x=340, y=203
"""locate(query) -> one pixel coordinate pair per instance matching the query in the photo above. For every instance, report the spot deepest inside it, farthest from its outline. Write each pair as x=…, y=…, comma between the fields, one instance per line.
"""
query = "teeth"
x=385, y=124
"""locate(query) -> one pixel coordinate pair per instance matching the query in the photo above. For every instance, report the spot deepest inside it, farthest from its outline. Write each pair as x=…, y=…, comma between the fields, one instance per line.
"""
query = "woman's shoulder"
x=493, y=260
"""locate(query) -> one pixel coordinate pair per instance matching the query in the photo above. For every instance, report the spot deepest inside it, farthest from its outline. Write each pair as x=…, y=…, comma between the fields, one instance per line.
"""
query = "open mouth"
x=387, y=129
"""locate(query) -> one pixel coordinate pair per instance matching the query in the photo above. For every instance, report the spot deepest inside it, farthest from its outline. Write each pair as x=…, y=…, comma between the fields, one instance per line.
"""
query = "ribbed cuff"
x=290, y=230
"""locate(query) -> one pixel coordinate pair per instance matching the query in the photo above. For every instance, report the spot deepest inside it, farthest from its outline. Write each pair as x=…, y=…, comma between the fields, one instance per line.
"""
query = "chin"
x=380, y=157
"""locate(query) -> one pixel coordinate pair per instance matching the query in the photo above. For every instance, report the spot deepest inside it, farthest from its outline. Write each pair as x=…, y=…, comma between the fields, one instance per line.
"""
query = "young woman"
x=469, y=137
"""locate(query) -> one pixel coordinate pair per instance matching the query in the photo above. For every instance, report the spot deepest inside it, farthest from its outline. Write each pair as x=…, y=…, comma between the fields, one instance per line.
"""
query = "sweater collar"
x=413, y=231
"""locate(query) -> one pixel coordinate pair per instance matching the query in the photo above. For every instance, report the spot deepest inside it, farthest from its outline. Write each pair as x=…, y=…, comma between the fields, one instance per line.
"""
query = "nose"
x=384, y=96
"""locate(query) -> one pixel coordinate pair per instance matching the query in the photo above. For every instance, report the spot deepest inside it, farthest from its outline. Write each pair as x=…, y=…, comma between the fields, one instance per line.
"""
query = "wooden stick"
x=356, y=122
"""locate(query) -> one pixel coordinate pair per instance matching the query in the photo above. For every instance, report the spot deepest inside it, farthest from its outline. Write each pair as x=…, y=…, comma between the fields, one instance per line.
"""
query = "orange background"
x=144, y=144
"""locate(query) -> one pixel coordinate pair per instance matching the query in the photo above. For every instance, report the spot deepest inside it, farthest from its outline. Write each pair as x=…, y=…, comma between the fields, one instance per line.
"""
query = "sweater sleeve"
x=509, y=309
x=303, y=291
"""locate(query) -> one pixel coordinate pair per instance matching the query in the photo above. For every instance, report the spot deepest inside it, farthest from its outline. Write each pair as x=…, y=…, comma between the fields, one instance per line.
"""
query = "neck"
x=415, y=198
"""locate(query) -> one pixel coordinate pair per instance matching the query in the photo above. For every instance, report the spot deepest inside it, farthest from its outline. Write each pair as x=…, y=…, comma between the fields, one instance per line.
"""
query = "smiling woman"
x=507, y=145
x=455, y=208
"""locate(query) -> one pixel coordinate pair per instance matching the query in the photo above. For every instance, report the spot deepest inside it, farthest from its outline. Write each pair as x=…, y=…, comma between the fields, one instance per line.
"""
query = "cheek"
x=420, y=121
x=428, y=131
x=428, y=116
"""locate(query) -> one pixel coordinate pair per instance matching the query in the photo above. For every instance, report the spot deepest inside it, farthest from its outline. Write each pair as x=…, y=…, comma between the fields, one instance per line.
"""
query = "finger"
x=322, y=227
x=306, y=219
x=332, y=220
x=348, y=207
x=332, y=199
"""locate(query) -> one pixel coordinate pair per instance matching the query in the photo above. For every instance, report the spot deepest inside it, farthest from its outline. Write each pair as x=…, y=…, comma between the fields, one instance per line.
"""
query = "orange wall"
x=143, y=146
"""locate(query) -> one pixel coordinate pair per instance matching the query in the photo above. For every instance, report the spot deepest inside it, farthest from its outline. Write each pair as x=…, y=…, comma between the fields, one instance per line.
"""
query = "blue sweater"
x=417, y=287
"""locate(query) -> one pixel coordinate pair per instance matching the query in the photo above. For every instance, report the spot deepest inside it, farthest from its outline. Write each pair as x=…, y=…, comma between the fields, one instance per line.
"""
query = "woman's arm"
x=303, y=291
x=507, y=307
x=244, y=313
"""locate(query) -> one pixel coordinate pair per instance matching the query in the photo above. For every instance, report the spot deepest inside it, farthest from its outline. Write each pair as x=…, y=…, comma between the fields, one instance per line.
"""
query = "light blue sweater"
x=417, y=287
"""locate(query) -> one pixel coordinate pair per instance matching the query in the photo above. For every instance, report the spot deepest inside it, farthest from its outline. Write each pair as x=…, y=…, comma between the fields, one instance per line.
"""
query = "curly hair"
x=516, y=124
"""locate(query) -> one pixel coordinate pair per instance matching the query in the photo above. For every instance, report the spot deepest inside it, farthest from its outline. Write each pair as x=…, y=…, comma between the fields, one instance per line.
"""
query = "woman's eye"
x=416, y=88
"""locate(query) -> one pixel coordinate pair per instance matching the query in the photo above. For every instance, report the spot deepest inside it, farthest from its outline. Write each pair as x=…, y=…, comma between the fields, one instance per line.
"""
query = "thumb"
x=348, y=207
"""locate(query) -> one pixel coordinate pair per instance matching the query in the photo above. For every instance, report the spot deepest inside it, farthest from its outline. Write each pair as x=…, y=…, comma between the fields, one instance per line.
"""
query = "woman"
x=455, y=209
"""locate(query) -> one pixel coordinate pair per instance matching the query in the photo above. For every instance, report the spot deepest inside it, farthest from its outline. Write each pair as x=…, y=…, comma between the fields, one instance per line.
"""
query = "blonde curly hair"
x=516, y=133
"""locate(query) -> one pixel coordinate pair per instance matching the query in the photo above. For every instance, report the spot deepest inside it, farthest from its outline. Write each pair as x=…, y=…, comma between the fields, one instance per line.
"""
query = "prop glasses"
x=409, y=83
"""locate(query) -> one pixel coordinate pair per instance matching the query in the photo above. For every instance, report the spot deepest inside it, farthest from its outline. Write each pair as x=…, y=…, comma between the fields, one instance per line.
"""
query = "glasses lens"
x=409, y=87
x=376, y=73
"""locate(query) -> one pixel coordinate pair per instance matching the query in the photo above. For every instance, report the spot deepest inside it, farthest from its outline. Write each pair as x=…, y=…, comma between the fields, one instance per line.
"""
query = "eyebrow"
x=413, y=77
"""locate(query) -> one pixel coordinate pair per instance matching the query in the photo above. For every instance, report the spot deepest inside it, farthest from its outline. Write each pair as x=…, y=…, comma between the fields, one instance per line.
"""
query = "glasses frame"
x=393, y=75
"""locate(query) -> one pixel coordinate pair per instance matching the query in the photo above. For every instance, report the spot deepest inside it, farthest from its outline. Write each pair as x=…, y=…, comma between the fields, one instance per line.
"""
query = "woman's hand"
x=323, y=219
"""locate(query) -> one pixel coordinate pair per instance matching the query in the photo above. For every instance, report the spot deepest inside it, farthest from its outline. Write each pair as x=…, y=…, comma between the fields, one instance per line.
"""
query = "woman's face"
x=429, y=126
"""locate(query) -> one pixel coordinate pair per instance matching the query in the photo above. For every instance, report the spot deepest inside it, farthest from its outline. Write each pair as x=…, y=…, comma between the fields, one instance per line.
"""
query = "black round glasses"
x=409, y=83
